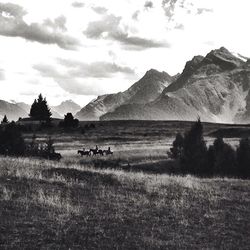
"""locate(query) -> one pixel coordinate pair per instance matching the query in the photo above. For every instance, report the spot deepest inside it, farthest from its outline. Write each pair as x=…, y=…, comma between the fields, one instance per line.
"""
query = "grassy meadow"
x=68, y=206
x=124, y=201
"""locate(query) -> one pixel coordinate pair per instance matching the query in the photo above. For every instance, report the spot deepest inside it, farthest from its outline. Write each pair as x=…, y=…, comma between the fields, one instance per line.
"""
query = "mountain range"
x=214, y=87
x=146, y=90
x=14, y=110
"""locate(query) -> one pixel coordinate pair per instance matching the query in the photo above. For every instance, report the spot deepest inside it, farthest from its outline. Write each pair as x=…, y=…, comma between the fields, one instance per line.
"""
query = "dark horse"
x=108, y=152
x=83, y=152
x=96, y=151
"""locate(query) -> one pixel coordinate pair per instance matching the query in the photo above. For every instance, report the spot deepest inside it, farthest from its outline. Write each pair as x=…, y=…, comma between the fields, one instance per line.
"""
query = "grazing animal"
x=54, y=156
x=83, y=152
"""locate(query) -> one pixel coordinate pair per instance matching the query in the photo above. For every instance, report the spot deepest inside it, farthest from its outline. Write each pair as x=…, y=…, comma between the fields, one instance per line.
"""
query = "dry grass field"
x=47, y=205
x=124, y=201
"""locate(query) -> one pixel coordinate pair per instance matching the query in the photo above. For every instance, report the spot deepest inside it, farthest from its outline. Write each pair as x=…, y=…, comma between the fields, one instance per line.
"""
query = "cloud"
x=169, y=7
x=109, y=28
x=108, y=24
x=78, y=78
x=12, y=24
x=78, y=4
x=148, y=4
x=59, y=23
x=99, y=10
x=94, y=70
x=28, y=92
x=179, y=26
x=202, y=10
x=2, y=75
x=10, y=9
x=65, y=81
x=135, y=15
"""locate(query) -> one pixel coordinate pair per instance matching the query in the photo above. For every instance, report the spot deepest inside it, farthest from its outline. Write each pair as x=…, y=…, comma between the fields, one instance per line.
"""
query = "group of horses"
x=95, y=151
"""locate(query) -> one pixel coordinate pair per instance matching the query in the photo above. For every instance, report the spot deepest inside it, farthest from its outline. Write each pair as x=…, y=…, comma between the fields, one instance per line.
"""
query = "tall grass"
x=69, y=205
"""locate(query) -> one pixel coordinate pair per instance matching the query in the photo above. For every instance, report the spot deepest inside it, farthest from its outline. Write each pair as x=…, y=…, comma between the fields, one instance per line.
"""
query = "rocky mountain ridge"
x=147, y=89
x=214, y=87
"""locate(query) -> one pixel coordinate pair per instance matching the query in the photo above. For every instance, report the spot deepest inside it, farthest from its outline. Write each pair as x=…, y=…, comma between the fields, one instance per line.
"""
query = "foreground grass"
x=69, y=206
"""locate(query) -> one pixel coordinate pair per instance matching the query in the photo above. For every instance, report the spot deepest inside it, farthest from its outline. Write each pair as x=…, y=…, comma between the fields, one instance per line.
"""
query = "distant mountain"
x=65, y=107
x=147, y=89
x=24, y=106
x=214, y=87
x=20, y=109
x=11, y=110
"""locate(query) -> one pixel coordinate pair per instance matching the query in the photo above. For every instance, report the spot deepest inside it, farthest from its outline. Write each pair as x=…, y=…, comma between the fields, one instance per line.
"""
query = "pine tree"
x=221, y=158
x=177, y=149
x=69, y=121
x=40, y=110
x=193, y=159
x=225, y=158
x=5, y=120
x=11, y=140
x=243, y=158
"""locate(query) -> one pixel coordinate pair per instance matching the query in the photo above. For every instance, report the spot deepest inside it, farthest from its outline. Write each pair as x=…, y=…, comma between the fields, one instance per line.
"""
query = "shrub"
x=224, y=158
x=177, y=149
x=243, y=158
x=69, y=121
x=11, y=140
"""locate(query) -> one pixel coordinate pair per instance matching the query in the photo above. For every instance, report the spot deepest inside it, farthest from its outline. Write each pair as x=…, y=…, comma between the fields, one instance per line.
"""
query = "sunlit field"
x=132, y=199
x=133, y=142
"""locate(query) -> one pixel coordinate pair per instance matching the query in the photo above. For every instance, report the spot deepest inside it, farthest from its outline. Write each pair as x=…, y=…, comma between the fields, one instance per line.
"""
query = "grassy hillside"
x=66, y=205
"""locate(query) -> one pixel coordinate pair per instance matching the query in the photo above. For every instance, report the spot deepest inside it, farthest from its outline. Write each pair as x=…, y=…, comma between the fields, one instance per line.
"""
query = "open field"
x=60, y=206
x=139, y=144
x=124, y=201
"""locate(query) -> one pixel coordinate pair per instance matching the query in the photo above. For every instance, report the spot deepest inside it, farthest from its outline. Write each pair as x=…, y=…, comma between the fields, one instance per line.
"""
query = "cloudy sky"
x=77, y=50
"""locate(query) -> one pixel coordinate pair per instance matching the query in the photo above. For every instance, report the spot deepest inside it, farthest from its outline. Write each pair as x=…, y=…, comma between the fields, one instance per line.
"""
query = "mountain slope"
x=21, y=109
x=147, y=89
x=215, y=87
x=11, y=110
x=67, y=106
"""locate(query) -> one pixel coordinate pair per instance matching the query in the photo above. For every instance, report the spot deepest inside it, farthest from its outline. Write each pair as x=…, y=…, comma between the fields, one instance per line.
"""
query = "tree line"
x=12, y=143
x=219, y=159
x=11, y=138
x=40, y=111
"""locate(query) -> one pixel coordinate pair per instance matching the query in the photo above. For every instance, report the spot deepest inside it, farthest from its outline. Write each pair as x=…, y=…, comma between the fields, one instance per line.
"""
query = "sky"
x=77, y=50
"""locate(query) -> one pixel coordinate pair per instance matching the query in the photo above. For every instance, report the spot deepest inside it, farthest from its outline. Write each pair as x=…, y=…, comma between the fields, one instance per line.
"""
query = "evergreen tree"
x=243, y=158
x=11, y=140
x=5, y=120
x=222, y=158
x=177, y=149
x=193, y=159
x=39, y=109
x=210, y=160
x=69, y=121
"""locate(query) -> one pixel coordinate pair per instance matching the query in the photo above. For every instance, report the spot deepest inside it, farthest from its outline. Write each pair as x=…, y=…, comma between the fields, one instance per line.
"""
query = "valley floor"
x=47, y=205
